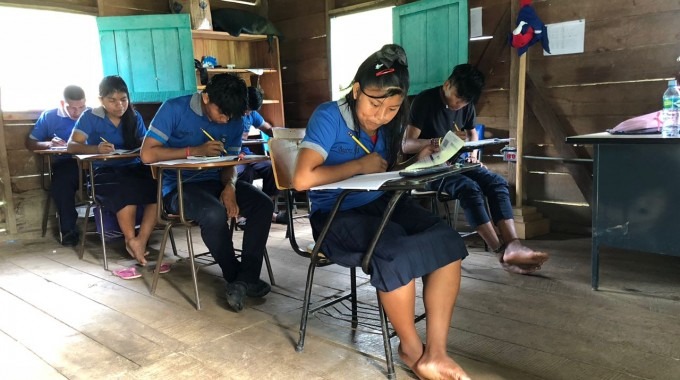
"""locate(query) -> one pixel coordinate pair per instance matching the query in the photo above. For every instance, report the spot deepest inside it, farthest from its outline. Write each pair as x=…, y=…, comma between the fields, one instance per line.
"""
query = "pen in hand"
x=104, y=140
x=356, y=140
x=211, y=138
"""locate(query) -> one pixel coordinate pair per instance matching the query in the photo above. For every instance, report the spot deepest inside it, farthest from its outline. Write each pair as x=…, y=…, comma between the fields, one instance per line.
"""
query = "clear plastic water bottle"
x=671, y=110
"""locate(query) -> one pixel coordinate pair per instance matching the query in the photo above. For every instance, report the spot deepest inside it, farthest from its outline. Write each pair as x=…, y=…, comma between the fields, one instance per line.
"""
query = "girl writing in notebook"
x=122, y=184
x=415, y=243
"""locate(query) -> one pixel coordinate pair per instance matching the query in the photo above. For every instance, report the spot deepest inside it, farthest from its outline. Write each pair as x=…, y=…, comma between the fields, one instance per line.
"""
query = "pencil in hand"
x=212, y=139
x=356, y=140
x=104, y=140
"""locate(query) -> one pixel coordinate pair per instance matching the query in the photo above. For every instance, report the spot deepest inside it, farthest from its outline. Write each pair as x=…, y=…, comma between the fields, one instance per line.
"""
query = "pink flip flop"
x=165, y=268
x=127, y=273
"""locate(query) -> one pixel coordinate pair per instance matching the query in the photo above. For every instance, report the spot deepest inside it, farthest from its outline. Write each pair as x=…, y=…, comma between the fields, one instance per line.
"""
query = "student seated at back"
x=122, y=185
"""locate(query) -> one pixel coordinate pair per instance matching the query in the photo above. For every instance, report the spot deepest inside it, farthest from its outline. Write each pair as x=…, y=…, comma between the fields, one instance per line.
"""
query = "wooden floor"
x=61, y=317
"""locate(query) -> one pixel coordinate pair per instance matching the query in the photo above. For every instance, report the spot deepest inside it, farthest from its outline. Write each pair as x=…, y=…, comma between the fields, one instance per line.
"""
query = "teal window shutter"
x=434, y=34
x=153, y=54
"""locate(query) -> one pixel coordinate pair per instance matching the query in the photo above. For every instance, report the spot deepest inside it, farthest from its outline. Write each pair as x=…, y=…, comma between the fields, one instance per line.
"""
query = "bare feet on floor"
x=438, y=367
x=411, y=356
x=517, y=258
x=137, y=249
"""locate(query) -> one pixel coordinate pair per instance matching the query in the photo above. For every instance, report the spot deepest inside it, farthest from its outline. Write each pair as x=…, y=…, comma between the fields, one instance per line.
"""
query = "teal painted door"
x=153, y=54
x=434, y=34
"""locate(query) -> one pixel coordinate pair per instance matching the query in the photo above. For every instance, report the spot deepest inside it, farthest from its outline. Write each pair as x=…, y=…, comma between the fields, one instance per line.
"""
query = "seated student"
x=262, y=169
x=123, y=184
x=415, y=243
x=212, y=197
x=451, y=107
x=53, y=129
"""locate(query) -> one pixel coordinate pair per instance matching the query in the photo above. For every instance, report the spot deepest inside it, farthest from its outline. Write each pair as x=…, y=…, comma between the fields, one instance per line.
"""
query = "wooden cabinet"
x=153, y=54
x=255, y=59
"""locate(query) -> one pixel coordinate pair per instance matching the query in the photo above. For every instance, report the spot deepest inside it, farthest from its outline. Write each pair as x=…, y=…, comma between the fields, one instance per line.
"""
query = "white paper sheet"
x=475, y=22
x=566, y=37
x=361, y=182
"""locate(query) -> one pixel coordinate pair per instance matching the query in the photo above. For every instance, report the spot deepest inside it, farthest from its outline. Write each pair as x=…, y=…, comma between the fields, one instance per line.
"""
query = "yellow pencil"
x=211, y=138
x=356, y=140
x=456, y=125
x=104, y=140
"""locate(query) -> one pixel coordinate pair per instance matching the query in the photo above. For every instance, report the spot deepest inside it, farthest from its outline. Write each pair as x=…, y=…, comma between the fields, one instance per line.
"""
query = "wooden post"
x=519, y=122
x=5, y=178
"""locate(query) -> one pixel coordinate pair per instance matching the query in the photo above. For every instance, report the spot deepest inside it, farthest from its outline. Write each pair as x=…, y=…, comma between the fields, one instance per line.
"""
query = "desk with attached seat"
x=170, y=220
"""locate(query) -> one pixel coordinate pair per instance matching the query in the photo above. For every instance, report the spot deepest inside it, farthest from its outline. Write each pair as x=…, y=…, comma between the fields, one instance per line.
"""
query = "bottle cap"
x=672, y=83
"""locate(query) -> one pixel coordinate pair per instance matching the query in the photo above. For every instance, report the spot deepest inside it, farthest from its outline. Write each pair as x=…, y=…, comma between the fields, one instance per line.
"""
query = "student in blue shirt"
x=414, y=243
x=212, y=197
x=123, y=184
x=262, y=169
x=53, y=129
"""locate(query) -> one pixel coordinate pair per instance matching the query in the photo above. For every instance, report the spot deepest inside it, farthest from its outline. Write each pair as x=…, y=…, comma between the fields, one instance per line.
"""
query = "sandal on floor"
x=127, y=273
x=165, y=268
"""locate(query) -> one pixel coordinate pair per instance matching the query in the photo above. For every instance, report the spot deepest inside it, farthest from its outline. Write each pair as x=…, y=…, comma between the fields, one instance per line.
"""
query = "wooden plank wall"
x=27, y=196
x=628, y=57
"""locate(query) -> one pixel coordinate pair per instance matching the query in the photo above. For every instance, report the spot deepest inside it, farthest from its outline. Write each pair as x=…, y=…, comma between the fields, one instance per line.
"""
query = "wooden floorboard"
x=62, y=317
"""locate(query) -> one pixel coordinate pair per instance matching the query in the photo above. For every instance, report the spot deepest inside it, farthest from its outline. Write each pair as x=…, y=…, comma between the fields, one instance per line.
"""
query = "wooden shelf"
x=213, y=35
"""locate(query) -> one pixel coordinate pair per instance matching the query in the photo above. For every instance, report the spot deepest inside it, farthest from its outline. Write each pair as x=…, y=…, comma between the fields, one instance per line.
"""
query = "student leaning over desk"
x=184, y=126
x=53, y=129
x=451, y=106
x=414, y=243
x=122, y=184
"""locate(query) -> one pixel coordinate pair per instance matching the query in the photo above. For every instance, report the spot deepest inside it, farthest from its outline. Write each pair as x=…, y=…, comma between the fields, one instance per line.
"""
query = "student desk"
x=636, y=187
x=85, y=162
x=169, y=221
x=46, y=167
x=398, y=186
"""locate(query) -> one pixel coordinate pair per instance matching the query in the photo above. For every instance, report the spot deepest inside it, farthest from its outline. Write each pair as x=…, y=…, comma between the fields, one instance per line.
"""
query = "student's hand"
x=209, y=148
x=473, y=160
x=228, y=197
x=104, y=148
x=56, y=141
x=428, y=150
x=372, y=163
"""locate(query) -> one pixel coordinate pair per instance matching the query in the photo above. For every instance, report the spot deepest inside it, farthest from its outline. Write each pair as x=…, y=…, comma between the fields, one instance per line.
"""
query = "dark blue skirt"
x=120, y=186
x=414, y=243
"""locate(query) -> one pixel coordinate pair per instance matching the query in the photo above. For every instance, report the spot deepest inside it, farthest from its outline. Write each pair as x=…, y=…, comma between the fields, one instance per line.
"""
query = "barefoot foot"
x=438, y=367
x=524, y=258
x=520, y=269
x=411, y=357
x=137, y=249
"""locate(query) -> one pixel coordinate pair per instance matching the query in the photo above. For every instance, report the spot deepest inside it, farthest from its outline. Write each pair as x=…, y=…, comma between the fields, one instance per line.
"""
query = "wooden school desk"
x=169, y=221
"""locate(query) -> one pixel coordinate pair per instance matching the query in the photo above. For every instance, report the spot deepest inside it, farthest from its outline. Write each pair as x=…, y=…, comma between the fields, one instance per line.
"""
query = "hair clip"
x=383, y=72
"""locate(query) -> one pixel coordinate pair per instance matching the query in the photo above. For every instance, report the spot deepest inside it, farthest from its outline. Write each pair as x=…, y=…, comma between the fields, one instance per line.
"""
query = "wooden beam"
x=512, y=94
x=5, y=178
x=519, y=123
x=555, y=128
x=494, y=49
x=86, y=7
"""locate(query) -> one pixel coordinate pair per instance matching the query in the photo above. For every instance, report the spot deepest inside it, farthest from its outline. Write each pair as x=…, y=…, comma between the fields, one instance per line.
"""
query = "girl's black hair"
x=386, y=69
x=108, y=86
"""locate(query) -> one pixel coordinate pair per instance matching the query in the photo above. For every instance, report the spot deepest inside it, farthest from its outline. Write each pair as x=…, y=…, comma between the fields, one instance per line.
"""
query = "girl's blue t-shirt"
x=96, y=126
x=328, y=133
x=178, y=124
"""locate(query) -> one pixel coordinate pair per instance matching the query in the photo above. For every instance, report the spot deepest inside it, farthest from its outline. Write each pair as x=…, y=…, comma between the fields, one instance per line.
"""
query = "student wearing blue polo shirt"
x=414, y=243
x=212, y=197
x=124, y=184
x=262, y=169
x=53, y=129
